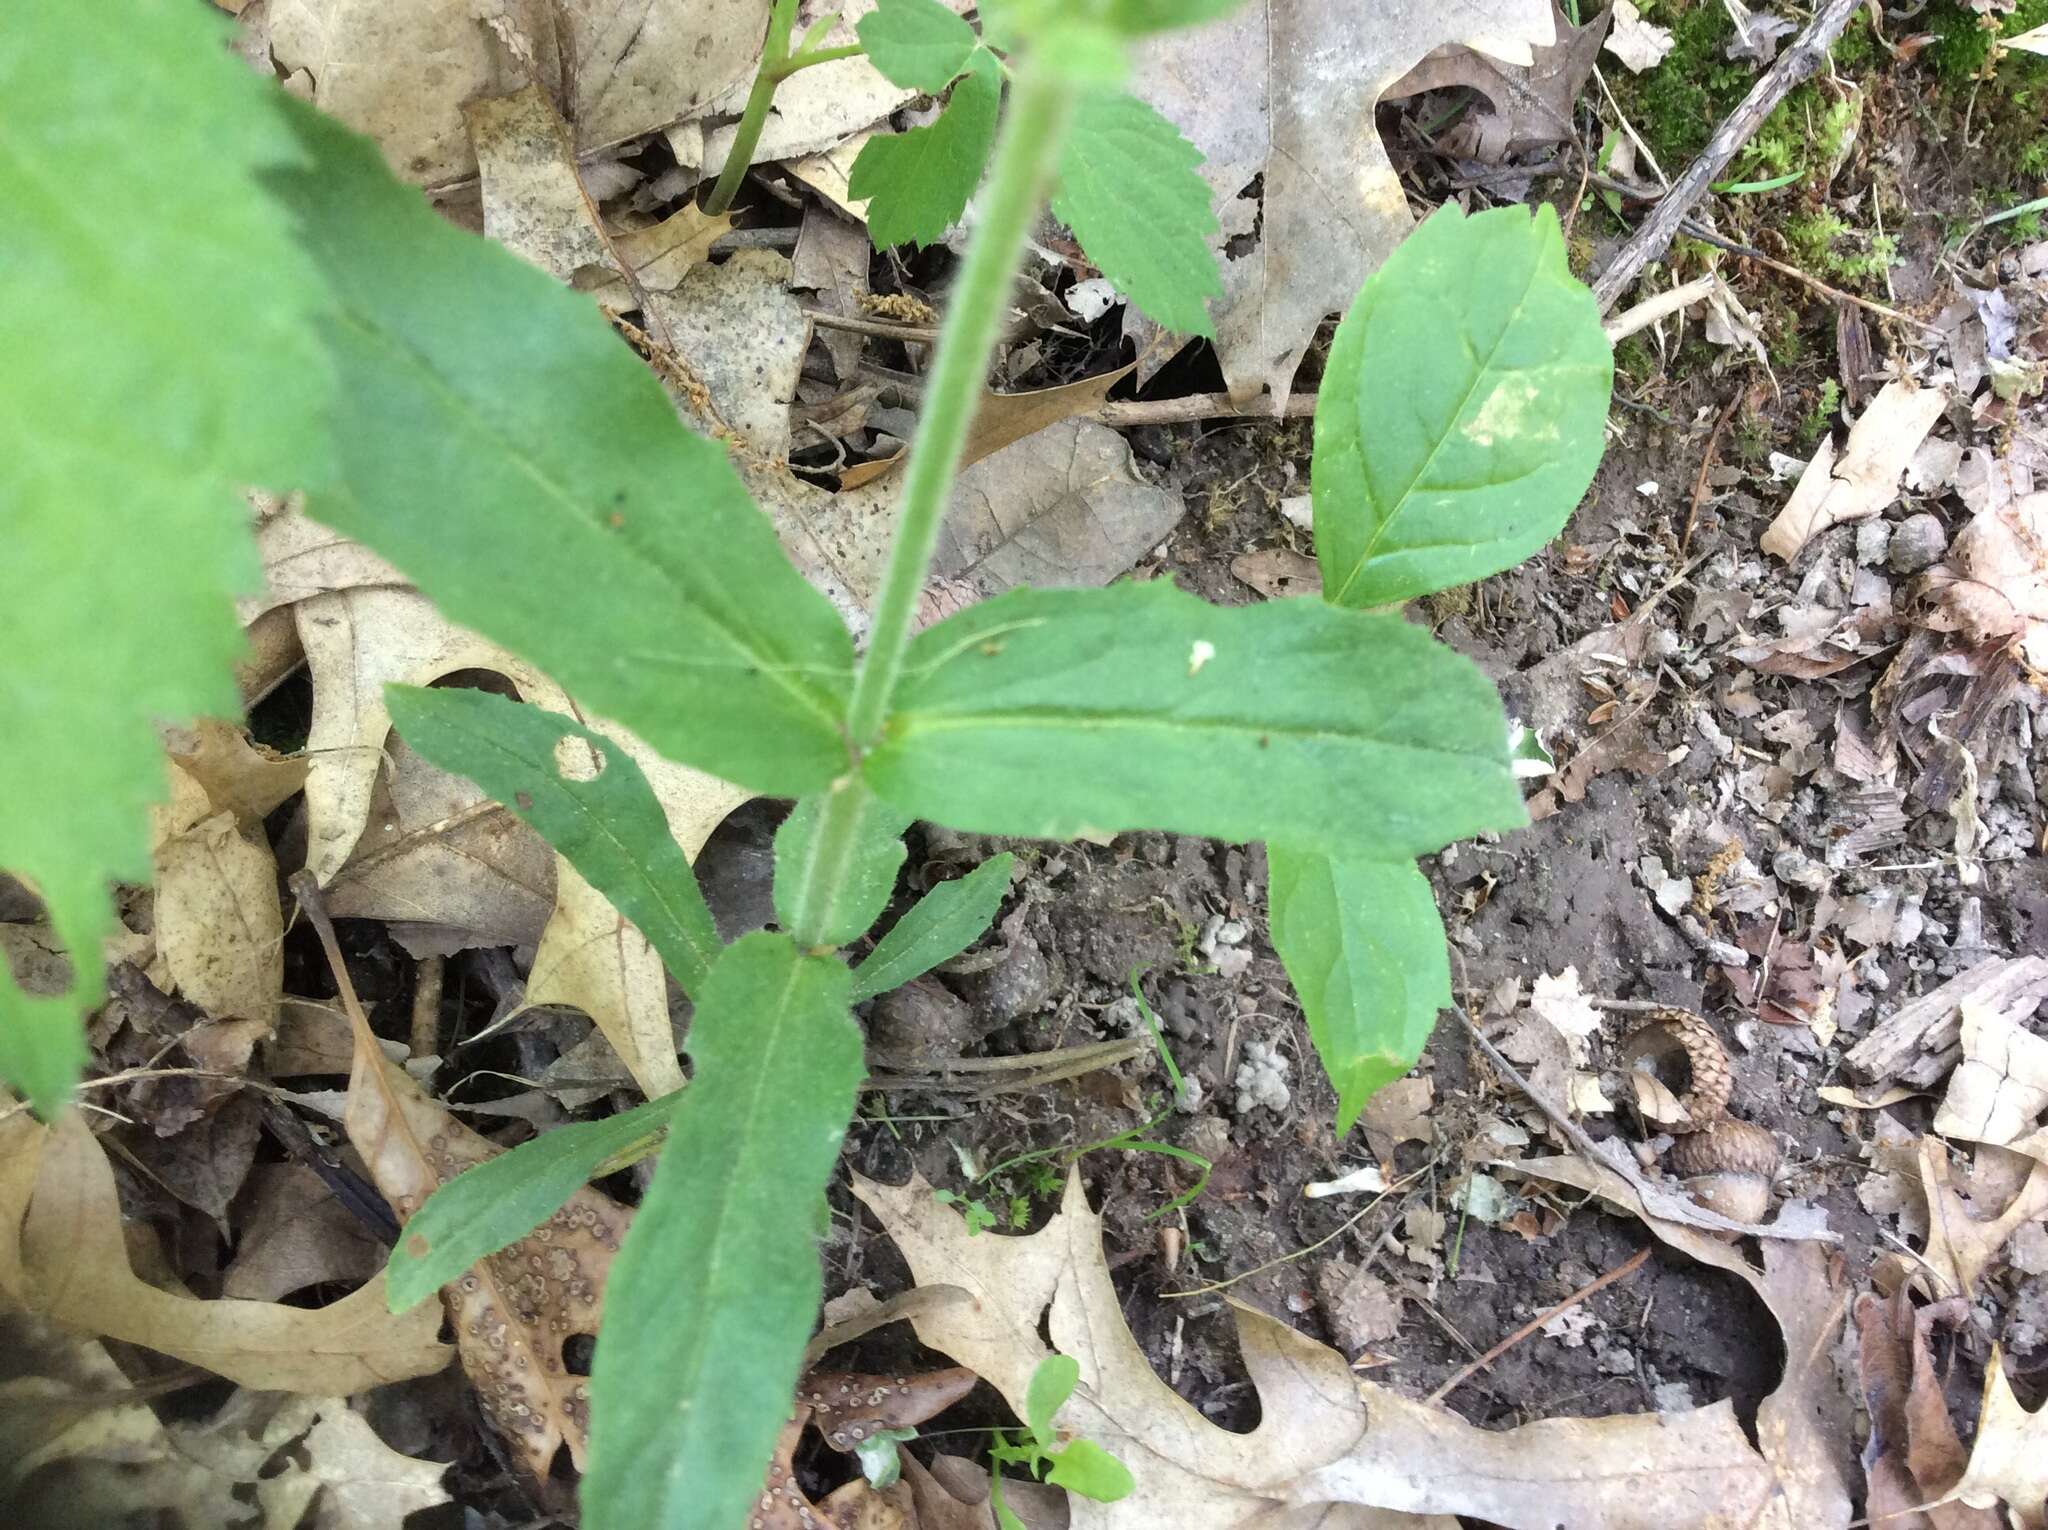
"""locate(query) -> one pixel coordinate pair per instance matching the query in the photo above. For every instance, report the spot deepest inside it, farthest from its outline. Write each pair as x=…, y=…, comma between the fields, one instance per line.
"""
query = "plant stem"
x=777, y=65
x=1025, y=154
x=1024, y=159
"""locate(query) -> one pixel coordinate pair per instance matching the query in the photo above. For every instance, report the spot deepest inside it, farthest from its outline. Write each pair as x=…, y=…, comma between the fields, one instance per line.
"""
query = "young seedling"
x=778, y=62
x=1079, y=1466
x=532, y=478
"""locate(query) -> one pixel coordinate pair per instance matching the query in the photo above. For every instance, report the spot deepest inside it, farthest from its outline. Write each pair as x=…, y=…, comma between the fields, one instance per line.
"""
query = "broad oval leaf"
x=829, y=905
x=1463, y=409
x=713, y=1294
x=918, y=44
x=941, y=924
x=501, y=446
x=502, y=1199
x=1057, y=712
x=1130, y=191
x=1364, y=948
x=610, y=827
x=121, y=469
x=918, y=182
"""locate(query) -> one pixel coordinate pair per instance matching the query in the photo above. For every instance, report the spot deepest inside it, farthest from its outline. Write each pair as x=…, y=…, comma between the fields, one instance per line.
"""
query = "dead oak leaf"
x=1324, y=1438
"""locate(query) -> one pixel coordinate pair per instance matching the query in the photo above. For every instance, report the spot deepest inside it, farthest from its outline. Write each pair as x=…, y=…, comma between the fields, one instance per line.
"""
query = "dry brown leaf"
x=1256, y=93
x=1914, y=1456
x=1962, y=1240
x=400, y=72
x=1278, y=572
x=63, y=1256
x=296, y=1234
x=593, y=959
x=513, y=1312
x=534, y=201
x=1804, y=1427
x=1996, y=583
x=1324, y=1438
x=352, y=1479
x=1866, y=478
x=742, y=334
x=2000, y=1088
x=237, y=776
x=1532, y=105
x=219, y=928
x=302, y=558
x=2009, y=1459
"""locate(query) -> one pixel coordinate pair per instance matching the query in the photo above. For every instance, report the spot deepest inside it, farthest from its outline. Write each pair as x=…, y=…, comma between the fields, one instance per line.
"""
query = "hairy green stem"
x=1025, y=154
x=1024, y=158
x=777, y=65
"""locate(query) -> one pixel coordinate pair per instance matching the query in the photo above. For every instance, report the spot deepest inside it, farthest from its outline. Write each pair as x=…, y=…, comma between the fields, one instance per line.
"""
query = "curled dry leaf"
x=513, y=1312
x=1995, y=586
x=1255, y=93
x=63, y=1255
x=219, y=930
x=1962, y=1237
x=1324, y=1438
x=1866, y=477
x=2006, y=1459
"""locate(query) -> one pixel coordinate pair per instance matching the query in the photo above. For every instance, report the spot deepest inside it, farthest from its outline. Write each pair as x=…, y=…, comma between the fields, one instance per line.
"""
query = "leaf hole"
x=578, y=760
x=576, y=1352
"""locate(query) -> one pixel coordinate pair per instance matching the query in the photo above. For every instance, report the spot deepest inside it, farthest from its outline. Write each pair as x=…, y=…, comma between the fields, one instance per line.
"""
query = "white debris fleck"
x=1368, y=1178
x=1558, y=1000
x=1262, y=1078
x=1090, y=300
x=1200, y=654
x=1648, y=488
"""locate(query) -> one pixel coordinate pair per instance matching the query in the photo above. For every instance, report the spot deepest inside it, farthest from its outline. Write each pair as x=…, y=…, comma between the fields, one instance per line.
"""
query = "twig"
x=1693, y=230
x=1200, y=406
x=1621, y=1271
x=1342, y=1227
x=1650, y=241
x=1707, y=459
x=1658, y=306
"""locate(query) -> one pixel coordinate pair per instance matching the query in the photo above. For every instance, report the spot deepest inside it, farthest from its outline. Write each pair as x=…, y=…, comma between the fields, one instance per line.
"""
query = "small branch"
x=1650, y=241
x=1621, y=1271
x=1199, y=406
x=1834, y=294
x=1658, y=306
x=1707, y=459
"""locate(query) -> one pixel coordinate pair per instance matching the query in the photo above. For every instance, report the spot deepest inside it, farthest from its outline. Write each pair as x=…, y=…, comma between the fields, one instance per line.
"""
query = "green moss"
x=1677, y=105
x=1962, y=43
x=1826, y=246
x=1820, y=415
x=1634, y=359
x=1751, y=438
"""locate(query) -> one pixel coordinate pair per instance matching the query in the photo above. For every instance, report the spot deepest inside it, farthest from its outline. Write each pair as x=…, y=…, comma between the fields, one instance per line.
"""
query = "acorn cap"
x=1684, y=1036
x=1727, y=1146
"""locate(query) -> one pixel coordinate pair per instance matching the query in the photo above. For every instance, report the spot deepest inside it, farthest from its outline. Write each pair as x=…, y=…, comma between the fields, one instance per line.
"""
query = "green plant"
x=533, y=479
x=1079, y=1465
x=778, y=62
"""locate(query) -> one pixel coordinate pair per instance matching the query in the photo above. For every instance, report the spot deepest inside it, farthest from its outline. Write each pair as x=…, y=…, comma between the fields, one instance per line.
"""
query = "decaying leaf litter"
x=1787, y=673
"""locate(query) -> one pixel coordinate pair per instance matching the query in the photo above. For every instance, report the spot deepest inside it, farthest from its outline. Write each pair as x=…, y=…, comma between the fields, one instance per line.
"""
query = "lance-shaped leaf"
x=1462, y=412
x=1364, y=947
x=831, y=905
x=501, y=446
x=121, y=467
x=713, y=1295
x=1054, y=712
x=941, y=924
x=502, y=1199
x=609, y=826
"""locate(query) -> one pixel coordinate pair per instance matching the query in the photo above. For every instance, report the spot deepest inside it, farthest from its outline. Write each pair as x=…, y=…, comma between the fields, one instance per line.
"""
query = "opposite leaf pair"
x=1127, y=184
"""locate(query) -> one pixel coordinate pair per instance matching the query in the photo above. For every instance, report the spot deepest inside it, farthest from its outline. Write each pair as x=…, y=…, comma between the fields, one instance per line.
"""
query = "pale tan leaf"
x=1257, y=94
x=354, y=1480
x=63, y=1255
x=2009, y=1459
x=742, y=333
x=400, y=71
x=302, y=558
x=534, y=201
x=296, y=1234
x=1866, y=477
x=1323, y=1438
x=593, y=959
x=219, y=926
x=513, y=1312
x=237, y=776
x=1999, y=585
x=1963, y=1239
x=2000, y=1088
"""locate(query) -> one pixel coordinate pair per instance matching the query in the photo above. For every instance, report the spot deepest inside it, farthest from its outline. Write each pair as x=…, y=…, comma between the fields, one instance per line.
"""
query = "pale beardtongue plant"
x=484, y=430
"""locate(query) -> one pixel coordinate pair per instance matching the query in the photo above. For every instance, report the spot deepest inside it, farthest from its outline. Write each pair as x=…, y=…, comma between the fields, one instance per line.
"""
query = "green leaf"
x=854, y=893
x=610, y=827
x=1463, y=409
x=1364, y=947
x=1084, y=1467
x=1057, y=712
x=918, y=44
x=1129, y=190
x=504, y=1198
x=155, y=320
x=716, y=1286
x=880, y=1461
x=941, y=924
x=1135, y=17
x=1052, y=1383
x=918, y=182
x=502, y=447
